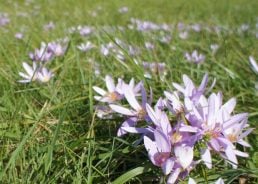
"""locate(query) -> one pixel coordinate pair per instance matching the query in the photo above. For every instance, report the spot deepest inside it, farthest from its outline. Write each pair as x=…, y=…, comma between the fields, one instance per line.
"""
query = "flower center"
x=113, y=96
x=141, y=114
x=232, y=137
x=176, y=137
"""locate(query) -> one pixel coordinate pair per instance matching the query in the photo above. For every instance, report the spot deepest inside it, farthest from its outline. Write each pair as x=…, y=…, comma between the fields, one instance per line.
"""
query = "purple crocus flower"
x=4, y=19
x=195, y=57
x=190, y=90
x=42, y=54
x=212, y=120
x=114, y=92
x=137, y=113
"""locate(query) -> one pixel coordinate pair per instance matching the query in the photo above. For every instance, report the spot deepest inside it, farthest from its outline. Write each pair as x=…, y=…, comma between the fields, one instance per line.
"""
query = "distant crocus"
x=85, y=30
x=214, y=48
x=195, y=57
x=154, y=69
x=183, y=35
x=57, y=48
x=123, y=9
x=149, y=45
x=19, y=35
x=49, y=26
x=44, y=75
x=35, y=73
x=41, y=54
x=4, y=19
x=84, y=47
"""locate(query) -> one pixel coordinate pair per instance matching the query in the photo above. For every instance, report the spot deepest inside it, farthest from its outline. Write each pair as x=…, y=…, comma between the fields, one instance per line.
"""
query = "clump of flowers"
x=194, y=57
x=183, y=129
x=154, y=68
x=40, y=57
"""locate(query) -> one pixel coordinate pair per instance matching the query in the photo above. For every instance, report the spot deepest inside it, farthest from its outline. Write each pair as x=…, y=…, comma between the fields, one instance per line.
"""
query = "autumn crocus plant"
x=182, y=130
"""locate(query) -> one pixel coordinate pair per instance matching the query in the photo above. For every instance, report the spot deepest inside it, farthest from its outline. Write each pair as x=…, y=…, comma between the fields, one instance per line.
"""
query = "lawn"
x=54, y=128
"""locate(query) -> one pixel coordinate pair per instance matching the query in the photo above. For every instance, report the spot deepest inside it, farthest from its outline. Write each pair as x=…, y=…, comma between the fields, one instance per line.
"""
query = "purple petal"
x=168, y=166
x=110, y=83
x=130, y=97
x=121, y=110
x=206, y=157
x=163, y=144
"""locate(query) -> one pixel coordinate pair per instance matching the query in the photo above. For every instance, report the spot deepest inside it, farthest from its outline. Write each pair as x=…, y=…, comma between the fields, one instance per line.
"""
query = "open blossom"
x=85, y=30
x=136, y=113
x=189, y=89
x=59, y=47
x=44, y=75
x=114, y=92
x=84, y=47
x=35, y=73
x=48, y=51
x=42, y=54
x=195, y=57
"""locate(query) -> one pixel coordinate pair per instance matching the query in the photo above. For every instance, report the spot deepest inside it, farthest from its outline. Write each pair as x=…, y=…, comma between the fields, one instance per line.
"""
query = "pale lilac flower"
x=42, y=54
x=4, y=19
x=195, y=57
x=44, y=75
x=85, y=30
x=114, y=92
x=165, y=39
x=190, y=90
x=58, y=48
x=84, y=47
x=134, y=114
x=253, y=64
x=196, y=27
x=149, y=46
x=154, y=68
x=123, y=9
x=214, y=48
x=183, y=35
x=19, y=35
x=31, y=73
x=49, y=26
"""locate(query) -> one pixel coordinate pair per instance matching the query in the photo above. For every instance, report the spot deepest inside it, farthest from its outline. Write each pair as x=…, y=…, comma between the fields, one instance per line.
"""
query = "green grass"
x=50, y=133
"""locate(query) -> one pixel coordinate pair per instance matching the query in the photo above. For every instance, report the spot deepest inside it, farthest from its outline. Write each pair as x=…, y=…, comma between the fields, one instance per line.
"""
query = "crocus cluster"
x=183, y=129
x=195, y=57
x=40, y=58
x=154, y=68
